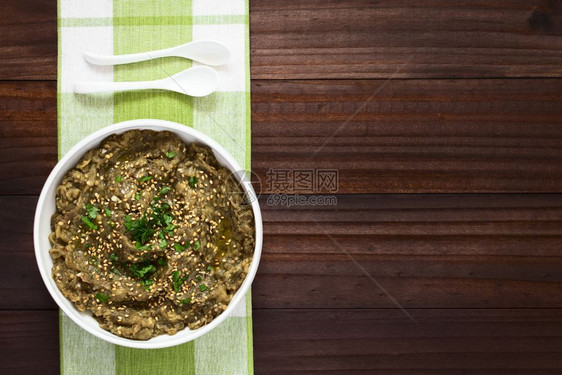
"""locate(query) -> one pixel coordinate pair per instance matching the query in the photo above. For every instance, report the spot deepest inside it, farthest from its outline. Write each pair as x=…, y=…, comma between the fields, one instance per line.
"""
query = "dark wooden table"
x=443, y=254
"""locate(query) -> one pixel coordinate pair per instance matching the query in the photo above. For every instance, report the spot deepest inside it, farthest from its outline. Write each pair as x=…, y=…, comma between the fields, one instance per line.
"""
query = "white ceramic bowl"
x=46, y=207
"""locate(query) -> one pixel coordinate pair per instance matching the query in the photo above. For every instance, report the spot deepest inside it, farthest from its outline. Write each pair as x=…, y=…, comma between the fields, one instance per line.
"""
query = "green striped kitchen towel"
x=128, y=26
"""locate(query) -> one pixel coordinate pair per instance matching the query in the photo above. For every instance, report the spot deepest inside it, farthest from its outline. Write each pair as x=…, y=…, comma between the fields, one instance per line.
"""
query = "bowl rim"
x=93, y=140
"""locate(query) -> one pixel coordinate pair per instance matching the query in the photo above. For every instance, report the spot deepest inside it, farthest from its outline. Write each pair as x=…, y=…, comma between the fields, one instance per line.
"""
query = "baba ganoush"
x=150, y=234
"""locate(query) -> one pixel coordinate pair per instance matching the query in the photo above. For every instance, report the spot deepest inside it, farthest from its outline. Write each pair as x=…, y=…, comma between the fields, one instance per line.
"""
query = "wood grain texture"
x=28, y=135
x=350, y=341
x=28, y=40
x=316, y=39
x=413, y=136
x=491, y=342
x=382, y=136
x=426, y=251
x=481, y=275
x=405, y=39
x=30, y=342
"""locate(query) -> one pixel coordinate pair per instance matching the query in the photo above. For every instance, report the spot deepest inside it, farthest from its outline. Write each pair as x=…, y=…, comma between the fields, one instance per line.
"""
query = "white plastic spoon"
x=209, y=52
x=196, y=81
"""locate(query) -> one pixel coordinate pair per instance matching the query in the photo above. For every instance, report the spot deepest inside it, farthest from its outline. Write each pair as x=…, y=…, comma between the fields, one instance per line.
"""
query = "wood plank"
x=28, y=135
x=23, y=286
x=484, y=342
x=28, y=40
x=30, y=342
x=307, y=39
x=382, y=137
x=426, y=251
x=413, y=136
x=384, y=341
x=298, y=39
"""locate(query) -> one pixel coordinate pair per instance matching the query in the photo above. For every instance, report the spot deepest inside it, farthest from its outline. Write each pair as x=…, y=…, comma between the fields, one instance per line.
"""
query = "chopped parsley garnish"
x=92, y=211
x=144, y=228
x=203, y=287
x=142, y=270
x=101, y=297
x=163, y=244
x=185, y=300
x=141, y=230
x=179, y=248
x=171, y=154
x=167, y=219
x=210, y=268
x=196, y=245
x=128, y=222
x=164, y=190
x=144, y=179
x=162, y=261
x=89, y=223
x=116, y=271
x=147, y=283
x=113, y=257
x=107, y=212
x=198, y=277
x=88, y=245
x=137, y=196
x=177, y=280
x=118, y=179
x=192, y=181
x=140, y=247
x=160, y=214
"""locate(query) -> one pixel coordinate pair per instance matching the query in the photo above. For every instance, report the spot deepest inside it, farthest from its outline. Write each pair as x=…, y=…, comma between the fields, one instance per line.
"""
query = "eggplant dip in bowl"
x=151, y=234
